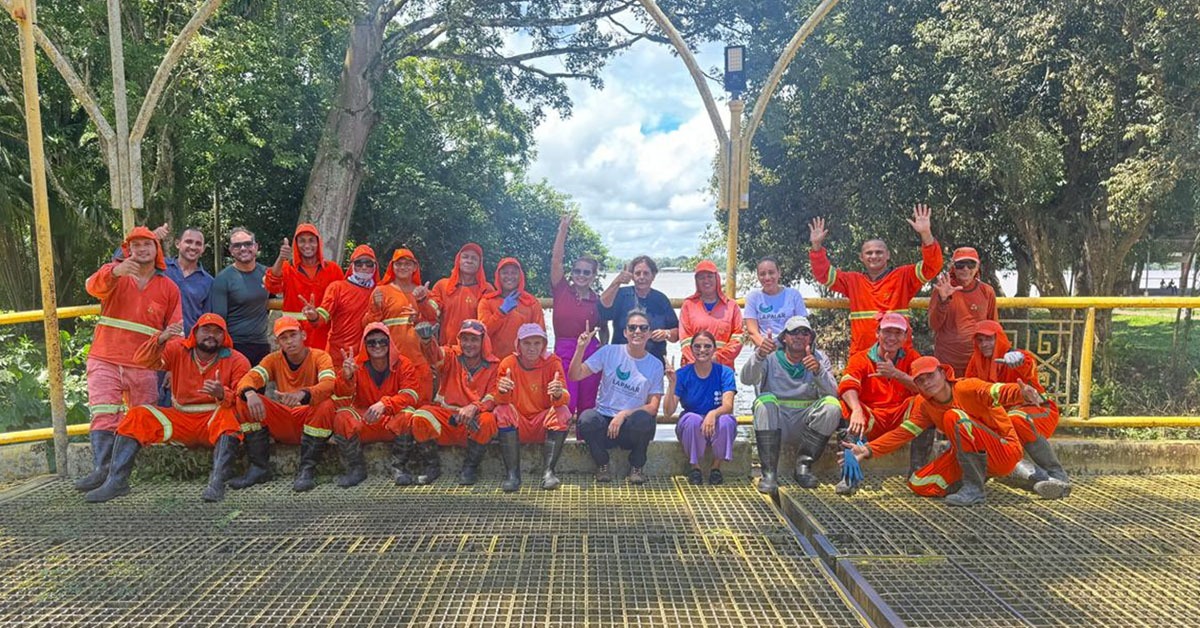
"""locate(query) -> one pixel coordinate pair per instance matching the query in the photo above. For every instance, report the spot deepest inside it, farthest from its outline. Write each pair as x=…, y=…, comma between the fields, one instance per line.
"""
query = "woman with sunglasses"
x=576, y=311
x=631, y=386
x=710, y=310
x=705, y=389
x=959, y=302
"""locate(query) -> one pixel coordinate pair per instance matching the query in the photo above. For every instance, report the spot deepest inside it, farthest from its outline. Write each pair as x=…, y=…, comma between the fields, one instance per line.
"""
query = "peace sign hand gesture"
x=309, y=310
x=349, y=368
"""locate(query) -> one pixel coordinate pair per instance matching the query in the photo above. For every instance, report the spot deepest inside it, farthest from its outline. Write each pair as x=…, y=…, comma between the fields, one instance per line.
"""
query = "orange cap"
x=924, y=365
x=988, y=328
x=286, y=323
x=965, y=252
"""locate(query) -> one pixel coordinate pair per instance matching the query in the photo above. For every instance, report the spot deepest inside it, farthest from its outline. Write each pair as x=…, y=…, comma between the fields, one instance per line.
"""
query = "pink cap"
x=529, y=330
x=892, y=320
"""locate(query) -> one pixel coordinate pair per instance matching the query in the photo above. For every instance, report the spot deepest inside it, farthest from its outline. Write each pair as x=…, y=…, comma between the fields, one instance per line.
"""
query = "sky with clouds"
x=637, y=156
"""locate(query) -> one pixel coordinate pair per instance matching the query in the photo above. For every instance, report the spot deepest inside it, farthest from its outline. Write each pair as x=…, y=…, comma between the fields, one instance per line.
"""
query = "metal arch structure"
x=733, y=174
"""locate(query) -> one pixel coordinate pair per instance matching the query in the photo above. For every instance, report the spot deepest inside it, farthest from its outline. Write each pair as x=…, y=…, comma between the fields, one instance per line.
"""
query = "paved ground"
x=1122, y=550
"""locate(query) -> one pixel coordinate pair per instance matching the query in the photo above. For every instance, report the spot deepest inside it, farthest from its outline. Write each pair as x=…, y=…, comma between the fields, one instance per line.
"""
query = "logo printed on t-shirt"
x=623, y=375
x=765, y=308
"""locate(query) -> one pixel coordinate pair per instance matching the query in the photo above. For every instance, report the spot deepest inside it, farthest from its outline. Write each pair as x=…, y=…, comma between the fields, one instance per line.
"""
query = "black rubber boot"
x=919, y=450
x=768, y=456
x=470, y=469
x=223, y=455
x=812, y=445
x=402, y=448
x=510, y=451
x=432, y=469
x=124, y=450
x=102, y=446
x=552, y=449
x=353, y=461
x=1057, y=485
x=258, y=454
x=974, y=474
x=311, y=448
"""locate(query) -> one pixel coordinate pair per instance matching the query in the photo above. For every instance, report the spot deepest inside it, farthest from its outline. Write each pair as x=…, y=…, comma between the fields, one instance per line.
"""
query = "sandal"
x=695, y=477
x=715, y=477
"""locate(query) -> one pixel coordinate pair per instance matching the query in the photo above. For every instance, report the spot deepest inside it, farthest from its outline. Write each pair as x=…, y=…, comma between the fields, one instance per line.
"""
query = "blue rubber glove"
x=852, y=471
x=510, y=301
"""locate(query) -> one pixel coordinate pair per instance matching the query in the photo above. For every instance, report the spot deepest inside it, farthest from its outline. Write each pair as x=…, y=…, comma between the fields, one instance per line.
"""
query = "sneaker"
x=603, y=474
x=715, y=477
x=695, y=477
x=636, y=476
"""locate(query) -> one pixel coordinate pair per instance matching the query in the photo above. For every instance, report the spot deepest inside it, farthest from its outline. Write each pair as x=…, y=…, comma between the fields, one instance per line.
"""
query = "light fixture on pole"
x=735, y=70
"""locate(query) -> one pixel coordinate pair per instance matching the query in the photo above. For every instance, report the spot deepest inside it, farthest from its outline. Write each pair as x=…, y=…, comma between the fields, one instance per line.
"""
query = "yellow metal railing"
x=1041, y=347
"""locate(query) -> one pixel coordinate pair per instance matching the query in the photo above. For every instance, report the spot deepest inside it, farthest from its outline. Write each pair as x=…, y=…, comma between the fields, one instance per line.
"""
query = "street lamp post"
x=733, y=174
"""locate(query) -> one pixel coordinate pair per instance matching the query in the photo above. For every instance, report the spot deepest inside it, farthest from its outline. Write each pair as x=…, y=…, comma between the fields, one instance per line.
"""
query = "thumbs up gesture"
x=309, y=310
x=377, y=299
x=555, y=387
x=767, y=347
x=213, y=388
x=349, y=368
x=420, y=293
x=506, y=383
x=285, y=251
x=810, y=360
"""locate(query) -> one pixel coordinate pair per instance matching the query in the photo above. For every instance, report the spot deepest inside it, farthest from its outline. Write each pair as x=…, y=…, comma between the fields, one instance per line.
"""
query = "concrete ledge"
x=24, y=460
x=1078, y=455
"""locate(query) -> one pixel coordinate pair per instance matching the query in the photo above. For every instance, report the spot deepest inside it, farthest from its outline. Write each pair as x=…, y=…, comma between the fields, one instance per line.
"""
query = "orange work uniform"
x=401, y=326
x=723, y=321
x=344, y=306
x=1028, y=420
x=889, y=292
x=397, y=390
x=456, y=302
x=528, y=407
x=299, y=281
x=129, y=314
x=195, y=418
x=314, y=375
x=974, y=420
x=458, y=387
x=501, y=327
x=954, y=321
x=885, y=400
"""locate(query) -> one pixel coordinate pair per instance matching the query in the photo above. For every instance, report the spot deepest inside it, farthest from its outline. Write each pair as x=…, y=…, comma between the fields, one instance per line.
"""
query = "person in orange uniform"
x=457, y=297
x=462, y=414
x=710, y=310
x=882, y=288
x=301, y=273
x=875, y=388
x=204, y=370
x=400, y=301
x=376, y=385
x=958, y=304
x=532, y=405
x=346, y=303
x=509, y=306
x=982, y=439
x=137, y=299
x=994, y=360
x=300, y=410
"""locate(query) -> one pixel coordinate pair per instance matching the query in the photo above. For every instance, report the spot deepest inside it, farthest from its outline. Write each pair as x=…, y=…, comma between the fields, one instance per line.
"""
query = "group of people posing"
x=361, y=358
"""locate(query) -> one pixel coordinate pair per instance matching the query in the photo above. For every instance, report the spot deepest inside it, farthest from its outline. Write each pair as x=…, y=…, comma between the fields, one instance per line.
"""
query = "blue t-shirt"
x=658, y=308
x=193, y=291
x=772, y=312
x=701, y=395
x=625, y=382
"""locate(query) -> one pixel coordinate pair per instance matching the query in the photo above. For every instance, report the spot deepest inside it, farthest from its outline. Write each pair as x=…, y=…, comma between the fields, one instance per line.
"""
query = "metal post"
x=1085, y=364
x=733, y=193
x=25, y=13
x=121, y=114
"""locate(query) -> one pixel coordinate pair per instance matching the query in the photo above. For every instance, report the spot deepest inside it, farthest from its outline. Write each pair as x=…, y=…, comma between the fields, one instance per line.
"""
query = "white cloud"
x=637, y=156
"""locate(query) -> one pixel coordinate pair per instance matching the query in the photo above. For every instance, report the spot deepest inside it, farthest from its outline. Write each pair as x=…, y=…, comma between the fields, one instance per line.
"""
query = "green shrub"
x=24, y=379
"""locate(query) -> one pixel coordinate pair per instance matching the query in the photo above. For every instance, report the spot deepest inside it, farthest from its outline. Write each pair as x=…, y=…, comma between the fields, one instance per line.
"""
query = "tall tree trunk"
x=338, y=169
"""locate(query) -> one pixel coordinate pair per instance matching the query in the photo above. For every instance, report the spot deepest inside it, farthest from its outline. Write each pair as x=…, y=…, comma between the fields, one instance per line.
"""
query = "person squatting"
x=367, y=354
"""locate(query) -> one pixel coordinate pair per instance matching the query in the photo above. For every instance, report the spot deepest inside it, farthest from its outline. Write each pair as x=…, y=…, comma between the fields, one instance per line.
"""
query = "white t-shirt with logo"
x=772, y=311
x=625, y=382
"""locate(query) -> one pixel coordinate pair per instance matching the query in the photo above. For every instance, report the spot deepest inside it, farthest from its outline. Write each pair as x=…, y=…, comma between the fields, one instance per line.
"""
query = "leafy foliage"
x=24, y=401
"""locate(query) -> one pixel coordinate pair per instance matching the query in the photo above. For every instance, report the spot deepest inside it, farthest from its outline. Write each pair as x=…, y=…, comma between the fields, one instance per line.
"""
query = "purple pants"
x=583, y=392
x=687, y=430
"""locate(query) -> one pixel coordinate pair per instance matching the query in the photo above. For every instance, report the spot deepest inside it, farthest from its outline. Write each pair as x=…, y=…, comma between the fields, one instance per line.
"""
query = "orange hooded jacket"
x=188, y=375
x=502, y=328
x=882, y=394
x=983, y=402
x=315, y=375
x=344, y=306
x=724, y=321
x=298, y=282
x=457, y=302
x=529, y=395
x=129, y=313
x=457, y=387
x=398, y=391
x=989, y=370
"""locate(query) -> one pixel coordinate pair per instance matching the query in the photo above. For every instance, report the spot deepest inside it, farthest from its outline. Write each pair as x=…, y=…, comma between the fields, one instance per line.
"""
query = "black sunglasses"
x=376, y=342
x=364, y=263
x=964, y=264
x=637, y=328
x=582, y=272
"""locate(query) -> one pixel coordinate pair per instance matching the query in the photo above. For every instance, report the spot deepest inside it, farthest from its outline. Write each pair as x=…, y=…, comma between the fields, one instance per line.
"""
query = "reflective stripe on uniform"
x=317, y=432
x=262, y=372
x=323, y=313
x=168, y=429
x=197, y=407
x=912, y=428
x=831, y=278
x=326, y=374
x=403, y=320
x=432, y=420
x=120, y=323
x=251, y=427
x=106, y=408
x=341, y=397
x=916, y=480
x=862, y=314
x=786, y=403
x=296, y=315
x=352, y=410
x=995, y=391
